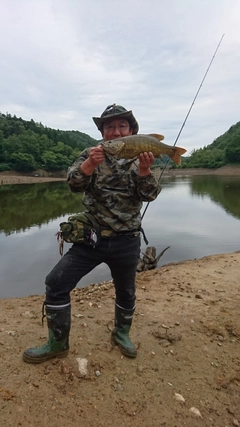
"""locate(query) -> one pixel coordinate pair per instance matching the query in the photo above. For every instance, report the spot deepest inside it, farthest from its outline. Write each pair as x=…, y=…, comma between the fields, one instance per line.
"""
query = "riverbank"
x=12, y=177
x=187, y=371
x=7, y=178
x=187, y=331
x=224, y=170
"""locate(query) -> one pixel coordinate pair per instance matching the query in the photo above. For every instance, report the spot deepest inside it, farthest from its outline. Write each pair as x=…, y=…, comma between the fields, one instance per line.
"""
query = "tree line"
x=225, y=150
x=26, y=146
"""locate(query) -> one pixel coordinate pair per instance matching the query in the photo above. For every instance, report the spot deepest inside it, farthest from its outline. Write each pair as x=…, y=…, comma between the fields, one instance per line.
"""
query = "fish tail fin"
x=177, y=153
x=157, y=135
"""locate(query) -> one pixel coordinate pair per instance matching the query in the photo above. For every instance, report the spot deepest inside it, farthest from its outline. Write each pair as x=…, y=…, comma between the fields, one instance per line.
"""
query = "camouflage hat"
x=116, y=111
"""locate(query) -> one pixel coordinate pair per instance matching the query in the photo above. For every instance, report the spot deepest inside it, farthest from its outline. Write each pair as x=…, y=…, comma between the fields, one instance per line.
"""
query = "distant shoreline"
x=7, y=178
x=224, y=170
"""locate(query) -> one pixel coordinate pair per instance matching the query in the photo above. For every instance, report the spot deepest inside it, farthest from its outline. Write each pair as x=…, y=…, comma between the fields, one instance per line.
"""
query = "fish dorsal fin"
x=157, y=135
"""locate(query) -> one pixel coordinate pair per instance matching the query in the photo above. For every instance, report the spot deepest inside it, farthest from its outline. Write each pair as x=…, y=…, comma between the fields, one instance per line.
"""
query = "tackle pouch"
x=80, y=228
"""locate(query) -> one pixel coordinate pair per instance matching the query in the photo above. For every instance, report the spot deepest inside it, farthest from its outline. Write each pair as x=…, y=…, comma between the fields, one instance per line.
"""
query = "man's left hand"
x=146, y=160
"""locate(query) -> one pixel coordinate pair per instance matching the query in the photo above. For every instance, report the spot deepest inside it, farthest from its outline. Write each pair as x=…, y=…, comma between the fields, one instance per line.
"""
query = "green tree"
x=23, y=162
x=232, y=153
x=49, y=161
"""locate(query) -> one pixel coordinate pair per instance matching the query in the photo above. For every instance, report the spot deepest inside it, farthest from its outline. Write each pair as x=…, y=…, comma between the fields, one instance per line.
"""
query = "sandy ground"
x=187, y=372
x=16, y=178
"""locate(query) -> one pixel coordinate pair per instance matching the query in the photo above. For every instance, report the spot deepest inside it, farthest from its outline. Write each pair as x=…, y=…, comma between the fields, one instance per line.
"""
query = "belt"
x=111, y=233
x=106, y=232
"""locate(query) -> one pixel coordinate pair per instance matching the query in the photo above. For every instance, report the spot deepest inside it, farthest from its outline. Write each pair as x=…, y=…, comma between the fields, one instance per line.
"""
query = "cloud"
x=62, y=62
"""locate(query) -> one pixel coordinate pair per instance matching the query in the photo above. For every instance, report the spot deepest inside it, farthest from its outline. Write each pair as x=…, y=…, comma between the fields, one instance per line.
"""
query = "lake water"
x=196, y=216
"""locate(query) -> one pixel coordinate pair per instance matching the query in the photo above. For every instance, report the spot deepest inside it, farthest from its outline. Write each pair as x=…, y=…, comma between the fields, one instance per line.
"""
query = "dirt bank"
x=7, y=178
x=42, y=176
x=225, y=170
x=187, y=372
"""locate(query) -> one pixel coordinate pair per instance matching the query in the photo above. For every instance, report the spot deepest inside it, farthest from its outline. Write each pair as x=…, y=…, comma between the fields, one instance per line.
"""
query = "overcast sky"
x=64, y=61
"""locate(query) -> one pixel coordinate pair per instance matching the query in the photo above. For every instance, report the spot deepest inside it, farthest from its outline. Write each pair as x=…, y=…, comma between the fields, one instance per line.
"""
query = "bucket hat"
x=116, y=111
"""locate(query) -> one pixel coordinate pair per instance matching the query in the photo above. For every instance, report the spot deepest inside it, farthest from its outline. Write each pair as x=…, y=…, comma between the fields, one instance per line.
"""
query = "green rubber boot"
x=120, y=334
x=59, y=323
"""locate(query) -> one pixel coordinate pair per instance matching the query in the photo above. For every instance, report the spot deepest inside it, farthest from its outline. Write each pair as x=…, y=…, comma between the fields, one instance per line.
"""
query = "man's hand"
x=96, y=156
x=145, y=161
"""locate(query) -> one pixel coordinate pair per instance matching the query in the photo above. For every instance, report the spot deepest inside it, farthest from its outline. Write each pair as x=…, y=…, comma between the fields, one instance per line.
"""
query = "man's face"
x=116, y=128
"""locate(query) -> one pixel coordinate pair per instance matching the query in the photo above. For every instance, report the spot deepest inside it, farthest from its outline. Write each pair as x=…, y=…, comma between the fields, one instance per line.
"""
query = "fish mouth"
x=114, y=150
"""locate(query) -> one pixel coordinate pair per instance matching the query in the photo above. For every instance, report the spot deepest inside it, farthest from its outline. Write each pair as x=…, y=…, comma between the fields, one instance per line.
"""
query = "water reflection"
x=223, y=190
x=195, y=216
x=23, y=206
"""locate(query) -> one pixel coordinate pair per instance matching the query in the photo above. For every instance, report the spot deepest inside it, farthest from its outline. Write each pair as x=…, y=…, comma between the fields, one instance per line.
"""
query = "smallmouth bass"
x=129, y=147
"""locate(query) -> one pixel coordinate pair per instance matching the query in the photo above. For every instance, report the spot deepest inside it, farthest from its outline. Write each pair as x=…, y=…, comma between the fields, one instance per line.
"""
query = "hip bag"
x=80, y=228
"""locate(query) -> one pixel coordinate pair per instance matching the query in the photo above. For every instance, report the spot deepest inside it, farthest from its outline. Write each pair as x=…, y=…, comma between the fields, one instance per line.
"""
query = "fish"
x=129, y=147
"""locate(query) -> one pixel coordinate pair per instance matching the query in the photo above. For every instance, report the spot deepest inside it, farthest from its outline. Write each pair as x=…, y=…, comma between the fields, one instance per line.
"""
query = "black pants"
x=120, y=253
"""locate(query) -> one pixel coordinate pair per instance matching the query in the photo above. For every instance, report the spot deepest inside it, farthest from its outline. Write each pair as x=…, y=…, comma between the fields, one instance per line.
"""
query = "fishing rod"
x=189, y=111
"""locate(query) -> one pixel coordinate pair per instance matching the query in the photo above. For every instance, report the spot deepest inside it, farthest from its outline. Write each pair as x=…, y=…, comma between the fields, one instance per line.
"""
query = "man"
x=113, y=193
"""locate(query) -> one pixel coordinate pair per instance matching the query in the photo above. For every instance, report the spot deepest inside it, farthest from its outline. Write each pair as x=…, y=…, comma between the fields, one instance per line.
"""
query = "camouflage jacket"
x=114, y=192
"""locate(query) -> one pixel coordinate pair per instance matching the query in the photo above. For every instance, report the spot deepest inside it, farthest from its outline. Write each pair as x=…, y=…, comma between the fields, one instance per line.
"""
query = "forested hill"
x=26, y=146
x=225, y=150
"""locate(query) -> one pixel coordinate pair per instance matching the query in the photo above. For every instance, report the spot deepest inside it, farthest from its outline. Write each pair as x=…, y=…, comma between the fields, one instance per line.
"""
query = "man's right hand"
x=96, y=156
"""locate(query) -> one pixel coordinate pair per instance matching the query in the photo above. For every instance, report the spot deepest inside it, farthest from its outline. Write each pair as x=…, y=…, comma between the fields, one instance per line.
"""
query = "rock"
x=82, y=366
x=179, y=397
x=195, y=411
